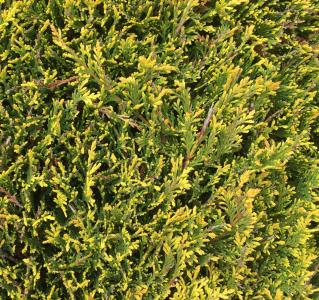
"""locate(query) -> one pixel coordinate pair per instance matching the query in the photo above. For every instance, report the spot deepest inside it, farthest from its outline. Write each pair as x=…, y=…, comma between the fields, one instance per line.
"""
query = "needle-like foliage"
x=159, y=149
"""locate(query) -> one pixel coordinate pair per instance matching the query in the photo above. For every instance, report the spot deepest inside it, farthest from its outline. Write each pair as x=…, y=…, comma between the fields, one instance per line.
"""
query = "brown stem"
x=199, y=137
x=53, y=85
x=11, y=197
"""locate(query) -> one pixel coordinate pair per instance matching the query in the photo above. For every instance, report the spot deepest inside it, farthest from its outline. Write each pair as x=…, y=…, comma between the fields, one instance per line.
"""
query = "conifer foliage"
x=159, y=149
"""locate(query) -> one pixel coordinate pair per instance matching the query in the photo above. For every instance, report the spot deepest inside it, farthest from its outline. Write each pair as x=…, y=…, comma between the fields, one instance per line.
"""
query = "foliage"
x=163, y=149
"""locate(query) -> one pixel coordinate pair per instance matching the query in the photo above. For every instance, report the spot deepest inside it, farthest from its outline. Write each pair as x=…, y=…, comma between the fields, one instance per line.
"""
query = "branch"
x=199, y=137
x=205, y=124
x=53, y=85
x=11, y=197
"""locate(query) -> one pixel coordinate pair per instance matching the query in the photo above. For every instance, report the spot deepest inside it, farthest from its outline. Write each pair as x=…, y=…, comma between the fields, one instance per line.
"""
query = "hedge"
x=163, y=149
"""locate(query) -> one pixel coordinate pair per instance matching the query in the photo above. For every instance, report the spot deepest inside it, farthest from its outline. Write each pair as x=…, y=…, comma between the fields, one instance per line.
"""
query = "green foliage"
x=163, y=149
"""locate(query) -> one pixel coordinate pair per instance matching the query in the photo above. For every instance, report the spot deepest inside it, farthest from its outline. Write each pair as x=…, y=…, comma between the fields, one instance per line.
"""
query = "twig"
x=206, y=123
x=200, y=136
x=271, y=117
x=53, y=85
x=11, y=197
x=111, y=114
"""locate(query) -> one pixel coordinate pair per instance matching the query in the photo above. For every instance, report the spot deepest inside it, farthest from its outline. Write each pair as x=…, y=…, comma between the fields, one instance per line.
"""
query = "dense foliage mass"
x=163, y=149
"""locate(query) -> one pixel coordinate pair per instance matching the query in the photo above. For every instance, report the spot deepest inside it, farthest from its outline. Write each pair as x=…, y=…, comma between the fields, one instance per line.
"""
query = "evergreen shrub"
x=159, y=149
